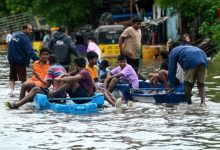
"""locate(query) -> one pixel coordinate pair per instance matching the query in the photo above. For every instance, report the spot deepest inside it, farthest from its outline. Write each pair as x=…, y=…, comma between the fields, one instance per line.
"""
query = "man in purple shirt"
x=124, y=72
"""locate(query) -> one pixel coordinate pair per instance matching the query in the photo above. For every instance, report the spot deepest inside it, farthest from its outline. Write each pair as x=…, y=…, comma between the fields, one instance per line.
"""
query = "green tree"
x=205, y=9
x=67, y=12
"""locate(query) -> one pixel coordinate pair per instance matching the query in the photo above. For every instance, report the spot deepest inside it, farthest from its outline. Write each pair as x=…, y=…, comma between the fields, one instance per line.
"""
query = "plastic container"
x=90, y=106
x=148, y=51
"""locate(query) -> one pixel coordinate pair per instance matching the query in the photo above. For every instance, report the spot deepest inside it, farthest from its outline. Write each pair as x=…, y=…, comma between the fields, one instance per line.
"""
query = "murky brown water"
x=145, y=126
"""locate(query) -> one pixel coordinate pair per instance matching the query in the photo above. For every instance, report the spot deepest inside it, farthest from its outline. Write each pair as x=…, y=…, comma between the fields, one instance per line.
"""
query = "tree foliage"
x=206, y=9
x=66, y=12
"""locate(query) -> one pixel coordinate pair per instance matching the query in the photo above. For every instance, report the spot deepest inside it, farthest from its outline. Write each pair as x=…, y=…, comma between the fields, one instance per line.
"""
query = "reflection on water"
x=213, y=81
x=145, y=126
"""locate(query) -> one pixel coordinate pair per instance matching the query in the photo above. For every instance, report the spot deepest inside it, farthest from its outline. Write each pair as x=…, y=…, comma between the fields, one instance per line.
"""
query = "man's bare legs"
x=202, y=93
x=12, y=86
x=108, y=96
x=26, y=87
x=188, y=92
x=28, y=98
x=111, y=85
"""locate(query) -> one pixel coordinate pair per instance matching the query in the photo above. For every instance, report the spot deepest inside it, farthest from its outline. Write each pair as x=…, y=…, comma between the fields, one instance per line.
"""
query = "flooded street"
x=144, y=126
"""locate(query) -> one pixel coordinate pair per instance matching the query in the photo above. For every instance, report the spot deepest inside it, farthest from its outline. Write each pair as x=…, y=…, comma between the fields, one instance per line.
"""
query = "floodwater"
x=144, y=126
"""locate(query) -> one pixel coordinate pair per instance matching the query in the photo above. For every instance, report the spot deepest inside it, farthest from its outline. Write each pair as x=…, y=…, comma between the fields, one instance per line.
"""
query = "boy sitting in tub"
x=54, y=71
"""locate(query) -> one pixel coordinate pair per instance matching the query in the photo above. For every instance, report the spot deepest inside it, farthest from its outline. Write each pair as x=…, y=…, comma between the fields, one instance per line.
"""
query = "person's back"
x=62, y=46
x=20, y=49
x=188, y=57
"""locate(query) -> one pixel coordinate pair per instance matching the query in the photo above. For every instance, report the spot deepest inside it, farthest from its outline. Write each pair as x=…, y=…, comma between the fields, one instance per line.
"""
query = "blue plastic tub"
x=42, y=102
x=178, y=96
x=146, y=85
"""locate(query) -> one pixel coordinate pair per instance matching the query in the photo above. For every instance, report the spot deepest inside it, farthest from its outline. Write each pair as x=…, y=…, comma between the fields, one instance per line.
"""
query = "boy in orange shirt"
x=40, y=69
x=91, y=67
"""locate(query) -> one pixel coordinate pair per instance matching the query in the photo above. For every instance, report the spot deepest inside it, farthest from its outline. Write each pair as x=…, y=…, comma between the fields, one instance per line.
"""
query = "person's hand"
x=170, y=89
x=169, y=41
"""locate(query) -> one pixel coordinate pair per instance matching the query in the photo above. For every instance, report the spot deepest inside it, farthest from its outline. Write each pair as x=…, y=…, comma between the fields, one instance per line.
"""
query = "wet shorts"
x=80, y=92
x=17, y=72
x=196, y=74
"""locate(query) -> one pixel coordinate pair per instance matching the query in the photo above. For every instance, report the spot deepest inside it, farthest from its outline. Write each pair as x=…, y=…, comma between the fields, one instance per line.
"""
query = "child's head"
x=91, y=39
x=122, y=61
x=164, y=54
x=136, y=22
x=92, y=57
x=53, y=59
x=174, y=45
x=80, y=62
x=44, y=54
x=185, y=38
x=104, y=64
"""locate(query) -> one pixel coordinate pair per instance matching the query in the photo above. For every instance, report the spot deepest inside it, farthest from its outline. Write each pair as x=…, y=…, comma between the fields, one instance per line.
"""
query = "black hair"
x=80, y=61
x=122, y=57
x=92, y=38
x=104, y=63
x=174, y=45
x=53, y=59
x=26, y=26
x=136, y=19
x=48, y=32
x=45, y=49
x=164, y=54
x=62, y=28
x=92, y=55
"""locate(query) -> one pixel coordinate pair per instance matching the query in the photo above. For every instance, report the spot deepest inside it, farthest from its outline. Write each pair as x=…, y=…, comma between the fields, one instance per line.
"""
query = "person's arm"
x=47, y=83
x=118, y=75
x=29, y=50
x=125, y=34
x=172, y=68
x=168, y=45
x=69, y=78
x=120, y=42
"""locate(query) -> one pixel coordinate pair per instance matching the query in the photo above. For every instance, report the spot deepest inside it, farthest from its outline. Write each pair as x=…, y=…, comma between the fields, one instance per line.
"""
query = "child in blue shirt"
x=103, y=70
